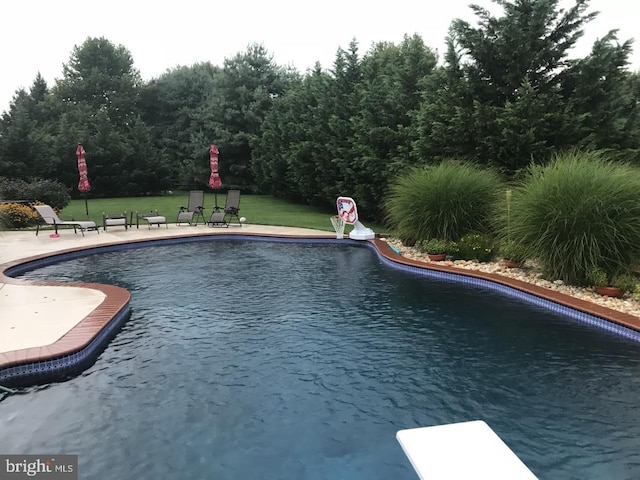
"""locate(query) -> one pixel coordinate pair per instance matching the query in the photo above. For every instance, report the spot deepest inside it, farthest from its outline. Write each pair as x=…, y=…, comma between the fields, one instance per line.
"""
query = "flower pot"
x=510, y=263
x=610, y=291
x=437, y=257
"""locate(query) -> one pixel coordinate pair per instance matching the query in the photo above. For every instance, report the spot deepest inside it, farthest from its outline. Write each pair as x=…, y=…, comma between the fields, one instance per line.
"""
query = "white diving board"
x=468, y=450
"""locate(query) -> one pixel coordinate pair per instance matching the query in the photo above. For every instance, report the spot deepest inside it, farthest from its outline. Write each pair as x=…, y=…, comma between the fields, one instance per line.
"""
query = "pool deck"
x=46, y=320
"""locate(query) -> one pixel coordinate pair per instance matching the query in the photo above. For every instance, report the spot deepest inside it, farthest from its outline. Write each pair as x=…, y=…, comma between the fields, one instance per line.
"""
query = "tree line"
x=505, y=94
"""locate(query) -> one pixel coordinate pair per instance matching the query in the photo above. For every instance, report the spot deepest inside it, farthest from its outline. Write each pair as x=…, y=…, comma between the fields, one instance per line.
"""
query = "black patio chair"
x=193, y=210
x=231, y=209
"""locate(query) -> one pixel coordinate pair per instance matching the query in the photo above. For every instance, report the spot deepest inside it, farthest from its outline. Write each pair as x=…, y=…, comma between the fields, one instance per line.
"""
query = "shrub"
x=18, y=215
x=579, y=211
x=51, y=192
x=41, y=190
x=442, y=201
x=436, y=246
x=625, y=281
x=13, y=189
x=597, y=277
x=475, y=246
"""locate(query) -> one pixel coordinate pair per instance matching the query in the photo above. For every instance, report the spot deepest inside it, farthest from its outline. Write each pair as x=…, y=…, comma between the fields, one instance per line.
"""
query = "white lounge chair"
x=50, y=217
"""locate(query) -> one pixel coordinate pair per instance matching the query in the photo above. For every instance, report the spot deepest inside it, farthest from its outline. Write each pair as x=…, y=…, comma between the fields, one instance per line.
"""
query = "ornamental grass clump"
x=443, y=201
x=578, y=212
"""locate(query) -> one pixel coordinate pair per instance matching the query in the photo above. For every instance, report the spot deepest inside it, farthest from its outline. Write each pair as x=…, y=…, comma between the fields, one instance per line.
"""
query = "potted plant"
x=436, y=249
x=513, y=254
x=616, y=287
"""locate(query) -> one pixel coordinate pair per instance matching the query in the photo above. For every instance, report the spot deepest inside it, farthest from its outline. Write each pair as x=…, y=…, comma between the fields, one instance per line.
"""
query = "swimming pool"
x=267, y=360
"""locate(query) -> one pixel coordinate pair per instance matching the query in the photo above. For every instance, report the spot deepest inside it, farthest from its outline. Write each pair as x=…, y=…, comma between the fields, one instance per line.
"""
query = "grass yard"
x=258, y=209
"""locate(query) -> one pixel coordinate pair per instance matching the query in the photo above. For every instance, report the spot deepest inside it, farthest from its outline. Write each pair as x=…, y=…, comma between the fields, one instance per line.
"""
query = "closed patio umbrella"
x=83, y=184
x=214, y=179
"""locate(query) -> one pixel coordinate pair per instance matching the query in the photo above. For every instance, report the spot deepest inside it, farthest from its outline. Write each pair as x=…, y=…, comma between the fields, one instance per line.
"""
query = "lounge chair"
x=50, y=217
x=217, y=219
x=231, y=209
x=193, y=210
x=232, y=205
x=152, y=218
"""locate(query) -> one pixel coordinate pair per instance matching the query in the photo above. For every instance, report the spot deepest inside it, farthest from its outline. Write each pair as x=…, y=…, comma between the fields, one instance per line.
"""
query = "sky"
x=39, y=35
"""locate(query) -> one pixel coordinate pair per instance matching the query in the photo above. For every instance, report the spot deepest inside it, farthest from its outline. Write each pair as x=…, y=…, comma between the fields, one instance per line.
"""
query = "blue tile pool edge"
x=55, y=369
x=513, y=292
x=29, y=373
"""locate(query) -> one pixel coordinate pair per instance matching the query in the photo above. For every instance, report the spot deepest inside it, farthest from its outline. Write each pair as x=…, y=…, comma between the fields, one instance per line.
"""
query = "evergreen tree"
x=24, y=142
x=345, y=132
x=168, y=106
x=96, y=104
x=393, y=77
x=599, y=89
x=344, y=104
x=291, y=157
x=245, y=91
x=510, y=94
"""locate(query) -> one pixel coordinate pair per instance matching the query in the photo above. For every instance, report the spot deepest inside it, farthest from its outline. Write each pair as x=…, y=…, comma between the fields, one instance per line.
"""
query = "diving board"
x=468, y=450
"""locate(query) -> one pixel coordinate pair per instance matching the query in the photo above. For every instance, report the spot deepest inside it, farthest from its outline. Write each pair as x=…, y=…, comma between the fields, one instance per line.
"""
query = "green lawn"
x=258, y=209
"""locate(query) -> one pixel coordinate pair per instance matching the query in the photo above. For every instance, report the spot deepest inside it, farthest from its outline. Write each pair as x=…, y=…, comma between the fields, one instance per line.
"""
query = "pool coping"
x=80, y=346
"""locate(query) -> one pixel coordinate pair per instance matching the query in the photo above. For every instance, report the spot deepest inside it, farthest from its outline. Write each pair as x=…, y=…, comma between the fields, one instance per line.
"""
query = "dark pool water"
x=253, y=360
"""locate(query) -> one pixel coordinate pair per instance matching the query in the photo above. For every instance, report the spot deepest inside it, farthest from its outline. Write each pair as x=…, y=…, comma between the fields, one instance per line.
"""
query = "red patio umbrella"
x=83, y=184
x=214, y=179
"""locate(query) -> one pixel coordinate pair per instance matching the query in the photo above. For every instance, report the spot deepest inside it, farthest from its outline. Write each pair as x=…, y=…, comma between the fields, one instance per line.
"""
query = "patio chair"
x=152, y=218
x=232, y=206
x=50, y=217
x=193, y=210
x=217, y=219
x=231, y=209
